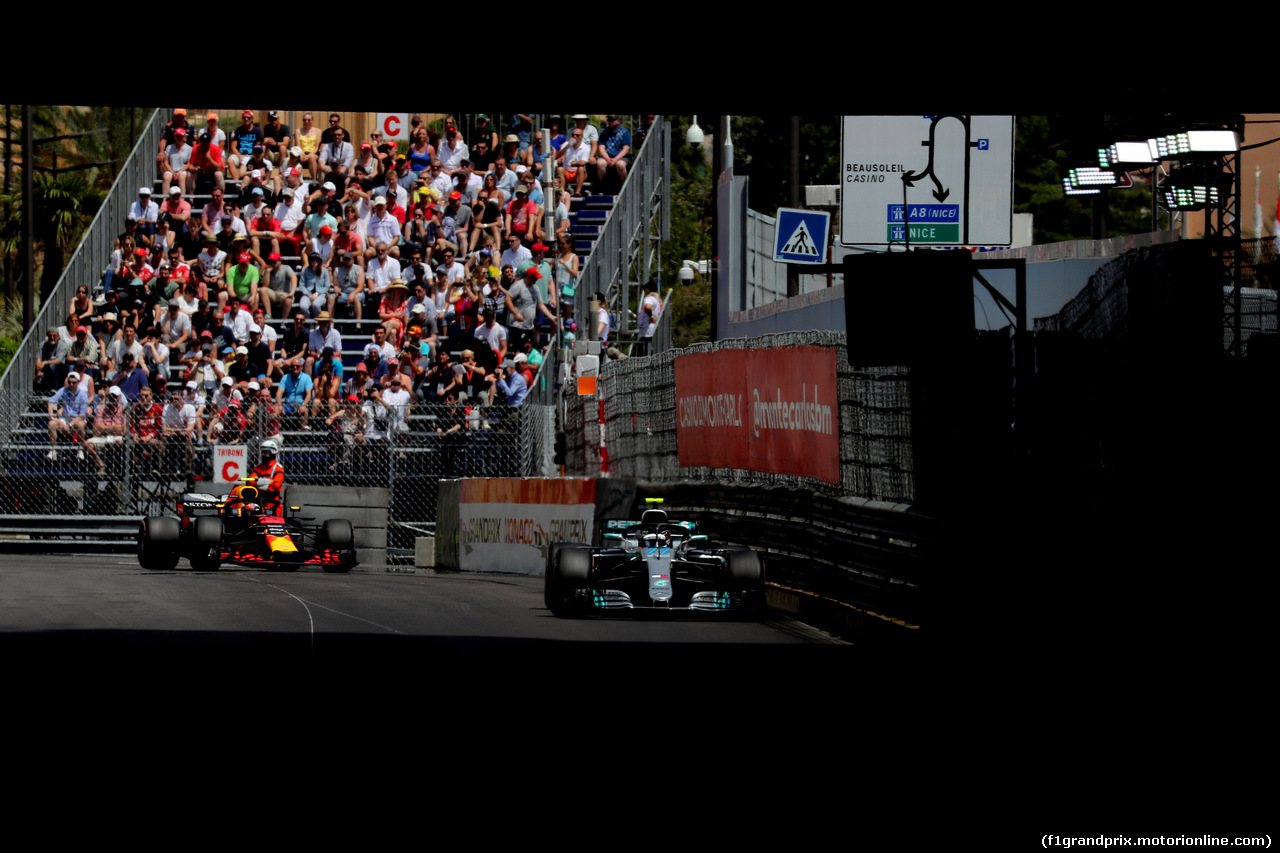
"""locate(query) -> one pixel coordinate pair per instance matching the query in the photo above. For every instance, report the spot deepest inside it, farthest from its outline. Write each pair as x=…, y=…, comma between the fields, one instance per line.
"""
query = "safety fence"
x=1168, y=283
x=105, y=461
x=638, y=399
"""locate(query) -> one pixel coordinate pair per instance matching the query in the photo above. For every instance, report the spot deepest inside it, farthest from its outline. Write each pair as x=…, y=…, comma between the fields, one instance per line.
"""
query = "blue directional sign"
x=801, y=236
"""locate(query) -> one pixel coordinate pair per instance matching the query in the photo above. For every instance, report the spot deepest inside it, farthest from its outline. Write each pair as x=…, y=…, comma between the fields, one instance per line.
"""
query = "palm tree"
x=67, y=201
x=64, y=208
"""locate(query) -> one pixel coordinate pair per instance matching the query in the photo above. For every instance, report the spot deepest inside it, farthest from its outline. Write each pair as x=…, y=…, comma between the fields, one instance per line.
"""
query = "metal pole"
x=793, y=272
x=9, y=289
x=28, y=216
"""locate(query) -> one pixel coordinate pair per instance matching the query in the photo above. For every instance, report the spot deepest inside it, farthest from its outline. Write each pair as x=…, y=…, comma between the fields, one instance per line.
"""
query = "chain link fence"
x=110, y=457
x=638, y=399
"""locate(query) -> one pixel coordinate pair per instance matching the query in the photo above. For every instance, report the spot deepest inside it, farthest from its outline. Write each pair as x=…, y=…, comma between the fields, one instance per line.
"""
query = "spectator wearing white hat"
x=145, y=213
x=383, y=228
x=108, y=427
x=178, y=429
x=67, y=410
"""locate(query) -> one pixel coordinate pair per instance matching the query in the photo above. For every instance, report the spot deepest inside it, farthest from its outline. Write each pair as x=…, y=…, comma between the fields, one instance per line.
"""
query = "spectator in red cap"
x=228, y=426
x=243, y=140
x=322, y=245
x=206, y=162
x=242, y=280
x=545, y=283
x=522, y=306
x=265, y=229
x=171, y=129
x=279, y=286
x=173, y=165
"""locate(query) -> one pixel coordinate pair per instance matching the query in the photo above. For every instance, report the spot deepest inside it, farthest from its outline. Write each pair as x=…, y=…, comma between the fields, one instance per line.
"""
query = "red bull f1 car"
x=247, y=528
x=656, y=564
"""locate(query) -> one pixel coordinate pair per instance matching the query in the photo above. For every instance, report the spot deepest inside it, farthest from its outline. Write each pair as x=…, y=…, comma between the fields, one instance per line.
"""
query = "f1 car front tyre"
x=747, y=572
x=336, y=534
x=568, y=569
x=206, y=544
x=158, y=542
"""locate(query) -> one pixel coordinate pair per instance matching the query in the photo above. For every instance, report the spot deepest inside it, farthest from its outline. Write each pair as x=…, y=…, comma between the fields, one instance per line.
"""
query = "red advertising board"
x=770, y=410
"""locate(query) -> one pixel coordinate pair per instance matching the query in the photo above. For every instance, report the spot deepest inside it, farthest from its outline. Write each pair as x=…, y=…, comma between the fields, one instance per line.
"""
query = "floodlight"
x=1090, y=176
x=1068, y=189
x=1187, y=142
x=1129, y=152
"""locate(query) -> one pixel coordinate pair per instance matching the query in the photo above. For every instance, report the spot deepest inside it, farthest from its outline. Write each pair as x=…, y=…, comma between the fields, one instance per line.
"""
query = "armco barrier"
x=845, y=560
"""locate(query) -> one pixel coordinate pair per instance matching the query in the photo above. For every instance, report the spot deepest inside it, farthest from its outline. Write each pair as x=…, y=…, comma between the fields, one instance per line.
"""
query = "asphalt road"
x=104, y=617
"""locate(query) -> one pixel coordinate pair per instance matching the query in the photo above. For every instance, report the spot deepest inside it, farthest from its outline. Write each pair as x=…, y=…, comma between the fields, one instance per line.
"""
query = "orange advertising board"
x=771, y=410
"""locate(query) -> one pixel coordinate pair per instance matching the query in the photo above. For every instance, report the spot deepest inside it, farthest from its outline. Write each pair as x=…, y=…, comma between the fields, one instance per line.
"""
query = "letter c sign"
x=228, y=463
x=393, y=125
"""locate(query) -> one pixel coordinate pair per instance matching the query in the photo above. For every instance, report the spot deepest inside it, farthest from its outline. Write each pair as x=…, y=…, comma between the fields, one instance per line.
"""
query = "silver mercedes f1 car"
x=656, y=564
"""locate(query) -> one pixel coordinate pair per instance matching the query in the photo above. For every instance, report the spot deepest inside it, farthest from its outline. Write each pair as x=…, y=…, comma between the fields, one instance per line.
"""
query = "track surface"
x=100, y=614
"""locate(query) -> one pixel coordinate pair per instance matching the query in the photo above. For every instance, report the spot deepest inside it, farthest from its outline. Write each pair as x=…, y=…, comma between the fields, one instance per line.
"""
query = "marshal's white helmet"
x=270, y=447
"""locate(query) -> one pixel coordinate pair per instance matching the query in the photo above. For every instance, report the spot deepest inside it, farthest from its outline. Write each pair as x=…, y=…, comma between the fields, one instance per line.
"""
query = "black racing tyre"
x=744, y=567
x=555, y=547
x=747, y=572
x=206, y=544
x=158, y=542
x=568, y=569
x=338, y=535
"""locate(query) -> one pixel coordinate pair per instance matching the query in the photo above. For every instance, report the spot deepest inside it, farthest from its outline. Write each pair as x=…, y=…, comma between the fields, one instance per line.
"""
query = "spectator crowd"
x=229, y=305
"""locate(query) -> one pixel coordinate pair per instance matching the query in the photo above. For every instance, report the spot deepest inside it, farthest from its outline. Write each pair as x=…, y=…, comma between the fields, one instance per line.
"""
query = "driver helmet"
x=252, y=507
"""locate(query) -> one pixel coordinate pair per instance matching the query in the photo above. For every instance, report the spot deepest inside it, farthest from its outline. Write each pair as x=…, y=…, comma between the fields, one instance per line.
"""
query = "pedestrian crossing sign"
x=801, y=236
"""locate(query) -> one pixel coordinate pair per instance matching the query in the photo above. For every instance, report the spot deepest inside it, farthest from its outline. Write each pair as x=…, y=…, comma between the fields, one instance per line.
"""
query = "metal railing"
x=623, y=257
x=627, y=252
x=91, y=470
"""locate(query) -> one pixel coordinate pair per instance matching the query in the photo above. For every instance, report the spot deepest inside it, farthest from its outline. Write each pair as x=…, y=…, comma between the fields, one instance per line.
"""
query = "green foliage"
x=690, y=238
x=8, y=349
x=64, y=208
x=65, y=203
x=762, y=152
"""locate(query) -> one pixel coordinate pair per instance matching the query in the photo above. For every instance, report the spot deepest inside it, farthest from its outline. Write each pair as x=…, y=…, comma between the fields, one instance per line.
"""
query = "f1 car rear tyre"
x=568, y=569
x=206, y=545
x=158, y=542
x=336, y=534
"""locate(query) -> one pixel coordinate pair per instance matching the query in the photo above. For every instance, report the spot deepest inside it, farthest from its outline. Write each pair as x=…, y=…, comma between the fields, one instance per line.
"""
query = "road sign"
x=394, y=126
x=943, y=180
x=801, y=236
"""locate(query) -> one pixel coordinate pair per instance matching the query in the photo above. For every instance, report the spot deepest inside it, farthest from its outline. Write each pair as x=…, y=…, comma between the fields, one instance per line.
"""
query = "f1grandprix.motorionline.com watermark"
x=1156, y=841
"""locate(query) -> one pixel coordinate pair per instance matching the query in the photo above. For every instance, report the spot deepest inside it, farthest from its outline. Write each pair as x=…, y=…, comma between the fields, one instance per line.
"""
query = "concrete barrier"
x=364, y=507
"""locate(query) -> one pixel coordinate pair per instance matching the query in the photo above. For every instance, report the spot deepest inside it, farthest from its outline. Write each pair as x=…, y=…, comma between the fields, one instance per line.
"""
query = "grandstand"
x=125, y=476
